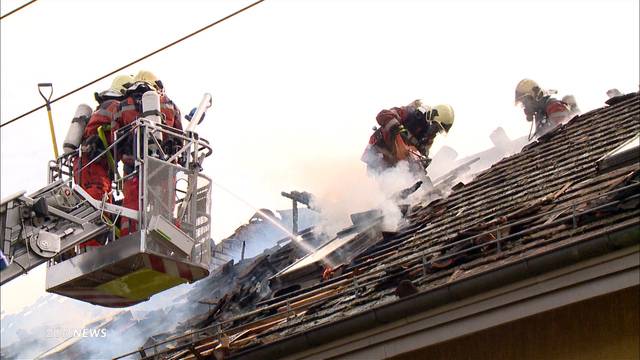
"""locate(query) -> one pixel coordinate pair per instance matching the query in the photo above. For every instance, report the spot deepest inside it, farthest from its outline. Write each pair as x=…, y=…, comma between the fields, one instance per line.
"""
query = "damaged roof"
x=550, y=196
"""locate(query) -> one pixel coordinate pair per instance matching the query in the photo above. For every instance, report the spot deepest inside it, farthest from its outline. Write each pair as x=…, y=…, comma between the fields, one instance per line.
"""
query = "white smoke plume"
x=348, y=189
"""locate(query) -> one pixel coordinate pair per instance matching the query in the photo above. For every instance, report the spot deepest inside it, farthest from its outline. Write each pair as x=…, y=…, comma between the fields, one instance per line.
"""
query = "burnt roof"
x=549, y=195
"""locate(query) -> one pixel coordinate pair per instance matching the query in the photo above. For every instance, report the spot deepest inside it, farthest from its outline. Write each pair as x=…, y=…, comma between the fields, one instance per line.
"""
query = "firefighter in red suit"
x=95, y=177
x=405, y=130
x=539, y=107
x=129, y=110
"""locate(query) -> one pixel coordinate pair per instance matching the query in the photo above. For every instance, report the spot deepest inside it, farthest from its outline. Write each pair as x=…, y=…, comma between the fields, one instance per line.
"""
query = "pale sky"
x=296, y=85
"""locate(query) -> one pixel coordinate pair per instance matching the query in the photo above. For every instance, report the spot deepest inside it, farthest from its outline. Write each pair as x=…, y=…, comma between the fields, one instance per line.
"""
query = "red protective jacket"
x=421, y=132
x=389, y=118
x=171, y=113
x=547, y=112
x=131, y=108
x=103, y=116
x=95, y=177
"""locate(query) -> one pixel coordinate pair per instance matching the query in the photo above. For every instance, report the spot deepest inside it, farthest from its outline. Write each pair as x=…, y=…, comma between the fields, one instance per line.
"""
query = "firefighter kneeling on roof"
x=540, y=108
x=130, y=109
x=406, y=133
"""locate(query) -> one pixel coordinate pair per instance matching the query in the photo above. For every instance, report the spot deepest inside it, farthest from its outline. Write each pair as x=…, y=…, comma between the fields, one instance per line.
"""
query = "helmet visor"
x=439, y=126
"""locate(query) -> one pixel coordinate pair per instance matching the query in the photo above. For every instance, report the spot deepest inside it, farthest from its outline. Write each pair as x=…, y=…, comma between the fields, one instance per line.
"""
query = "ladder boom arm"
x=36, y=228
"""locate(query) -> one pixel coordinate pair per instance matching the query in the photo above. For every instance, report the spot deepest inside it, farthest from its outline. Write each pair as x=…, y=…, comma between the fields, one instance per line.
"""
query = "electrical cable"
x=17, y=9
x=135, y=61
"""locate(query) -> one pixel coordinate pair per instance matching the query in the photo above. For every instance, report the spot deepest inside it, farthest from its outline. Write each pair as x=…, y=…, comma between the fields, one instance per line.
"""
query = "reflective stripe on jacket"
x=104, y=115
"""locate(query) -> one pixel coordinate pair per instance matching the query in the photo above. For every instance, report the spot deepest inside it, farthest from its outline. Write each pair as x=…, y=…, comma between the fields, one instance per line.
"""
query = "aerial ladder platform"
x=171, y=246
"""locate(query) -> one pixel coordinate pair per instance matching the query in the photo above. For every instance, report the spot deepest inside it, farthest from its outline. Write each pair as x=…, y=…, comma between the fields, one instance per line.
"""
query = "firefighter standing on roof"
x=402, y=129
x=129, y=110
x=543, y=110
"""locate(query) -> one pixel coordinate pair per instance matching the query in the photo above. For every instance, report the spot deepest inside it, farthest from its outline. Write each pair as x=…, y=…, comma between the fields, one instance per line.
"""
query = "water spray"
x=297, y=238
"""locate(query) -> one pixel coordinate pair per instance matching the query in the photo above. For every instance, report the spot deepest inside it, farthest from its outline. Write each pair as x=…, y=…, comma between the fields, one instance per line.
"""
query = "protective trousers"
x=95, y=180
x=131, y=200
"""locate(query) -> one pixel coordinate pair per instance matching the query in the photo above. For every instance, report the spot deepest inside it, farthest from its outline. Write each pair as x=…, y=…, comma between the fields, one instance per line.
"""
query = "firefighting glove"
x=128, y=163
x=403, y=132
x=169, y=146
x=408, y=138
x=423, y=148
x=425, y=161
x=93, y=147
x=125, y=146
x=191, y=113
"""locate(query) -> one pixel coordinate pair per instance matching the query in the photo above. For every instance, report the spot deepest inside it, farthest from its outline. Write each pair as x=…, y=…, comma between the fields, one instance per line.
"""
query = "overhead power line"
x=17, y=9
x=135, y=61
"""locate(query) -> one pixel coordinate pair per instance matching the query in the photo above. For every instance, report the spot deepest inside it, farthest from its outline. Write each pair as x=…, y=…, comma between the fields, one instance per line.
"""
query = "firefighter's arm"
x=173, y=143
x=390, y=120
x=178, y=118
x=423, y=148
x=102, y=116
x=92, y=146
x=425, y=145
x=387, y=116
x=125, y=146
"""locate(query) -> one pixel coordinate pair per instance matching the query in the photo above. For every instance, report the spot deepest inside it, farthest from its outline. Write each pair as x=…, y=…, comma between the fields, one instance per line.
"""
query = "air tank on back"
x=151, y=111
x=76, y=129
x=151, y=106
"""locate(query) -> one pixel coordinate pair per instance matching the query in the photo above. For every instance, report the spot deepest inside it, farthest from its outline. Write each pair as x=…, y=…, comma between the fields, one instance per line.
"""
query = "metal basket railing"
x=158, y=170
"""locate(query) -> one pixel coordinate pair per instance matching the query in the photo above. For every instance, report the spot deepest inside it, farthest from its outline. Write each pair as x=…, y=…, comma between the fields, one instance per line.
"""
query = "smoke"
x=342, y=186
x=130, y=328
x=167, y=312
x=348, y=188
x=30, y=332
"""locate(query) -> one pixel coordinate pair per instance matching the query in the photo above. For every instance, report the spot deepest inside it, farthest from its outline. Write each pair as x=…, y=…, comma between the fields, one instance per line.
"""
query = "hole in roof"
x=341, y=250
x=625, y=154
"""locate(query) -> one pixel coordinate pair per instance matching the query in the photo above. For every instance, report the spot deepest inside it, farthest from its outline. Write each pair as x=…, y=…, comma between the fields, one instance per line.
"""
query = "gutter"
x=481, y=283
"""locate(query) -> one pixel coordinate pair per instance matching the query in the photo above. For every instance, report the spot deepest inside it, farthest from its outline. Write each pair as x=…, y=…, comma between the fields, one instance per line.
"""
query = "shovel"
x=48, y=103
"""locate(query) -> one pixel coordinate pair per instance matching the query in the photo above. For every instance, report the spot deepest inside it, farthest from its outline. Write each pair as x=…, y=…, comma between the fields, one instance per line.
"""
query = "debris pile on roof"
x=234, y=287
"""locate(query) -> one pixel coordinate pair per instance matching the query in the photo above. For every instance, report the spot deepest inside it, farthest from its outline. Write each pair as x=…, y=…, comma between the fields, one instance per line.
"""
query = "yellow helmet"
x=148, y=77
x=526, y=87
x=121, y=83
x=443, y=115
